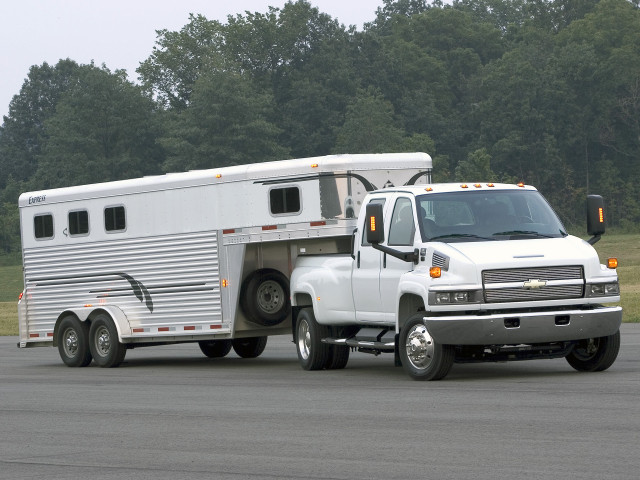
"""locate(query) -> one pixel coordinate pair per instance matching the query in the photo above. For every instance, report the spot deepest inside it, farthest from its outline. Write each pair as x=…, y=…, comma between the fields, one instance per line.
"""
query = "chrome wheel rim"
x=270, y=296
x=304, y=339
x=70, y=342
x=419, y=347
x=102, y=341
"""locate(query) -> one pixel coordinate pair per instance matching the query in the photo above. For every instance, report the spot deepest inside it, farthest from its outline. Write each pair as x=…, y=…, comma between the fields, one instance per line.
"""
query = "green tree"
x=227, y=123
x=103, y=129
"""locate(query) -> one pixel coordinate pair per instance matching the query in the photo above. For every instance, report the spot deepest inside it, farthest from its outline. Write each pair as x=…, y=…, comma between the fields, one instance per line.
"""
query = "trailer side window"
x=114, y=219
x=43, y=226
x=79, y=222
x=284, y=200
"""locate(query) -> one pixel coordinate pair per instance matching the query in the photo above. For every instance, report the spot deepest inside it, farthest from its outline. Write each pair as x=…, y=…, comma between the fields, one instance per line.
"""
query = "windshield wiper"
x=461, y=235
x=524, y=232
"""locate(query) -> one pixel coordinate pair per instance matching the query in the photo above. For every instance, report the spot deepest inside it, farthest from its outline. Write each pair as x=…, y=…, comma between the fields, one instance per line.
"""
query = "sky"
x=118, y=33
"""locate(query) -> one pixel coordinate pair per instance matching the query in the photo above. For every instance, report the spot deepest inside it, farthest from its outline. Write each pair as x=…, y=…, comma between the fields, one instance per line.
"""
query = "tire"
x=264, y=297
x=73, y=342
x=337, y=358
x=312, y=353
x=595, y=354
x=249, y=347
x=422, y=357
x=215, y=348
x=107, y=351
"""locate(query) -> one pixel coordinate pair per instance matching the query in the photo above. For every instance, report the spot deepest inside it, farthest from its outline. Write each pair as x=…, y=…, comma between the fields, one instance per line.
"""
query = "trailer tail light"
x=612, y=262
x=225, y=283
x=20, y=296
x=435, y=272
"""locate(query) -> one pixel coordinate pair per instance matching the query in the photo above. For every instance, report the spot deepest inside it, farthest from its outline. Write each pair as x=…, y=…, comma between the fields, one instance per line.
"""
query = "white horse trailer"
x=202, y=256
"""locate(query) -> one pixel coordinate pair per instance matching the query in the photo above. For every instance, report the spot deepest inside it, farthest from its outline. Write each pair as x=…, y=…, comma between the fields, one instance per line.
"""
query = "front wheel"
x=107, y=351
x=422, y=357
x=312, y=353
x=249, y=347
x=595, y=354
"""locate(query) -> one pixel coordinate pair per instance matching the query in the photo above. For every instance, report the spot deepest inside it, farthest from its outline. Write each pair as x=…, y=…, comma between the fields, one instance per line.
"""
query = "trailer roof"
x=267, y=170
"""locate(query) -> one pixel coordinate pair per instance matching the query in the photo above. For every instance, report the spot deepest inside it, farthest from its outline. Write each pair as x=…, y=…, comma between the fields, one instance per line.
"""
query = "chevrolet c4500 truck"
x=449, y=273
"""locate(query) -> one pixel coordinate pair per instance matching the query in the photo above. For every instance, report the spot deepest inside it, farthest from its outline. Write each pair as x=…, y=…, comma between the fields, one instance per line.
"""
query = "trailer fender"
x=87, y=314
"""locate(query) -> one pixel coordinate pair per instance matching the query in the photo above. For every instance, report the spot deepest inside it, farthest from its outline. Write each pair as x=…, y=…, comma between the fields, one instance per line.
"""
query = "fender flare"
x=85, y=314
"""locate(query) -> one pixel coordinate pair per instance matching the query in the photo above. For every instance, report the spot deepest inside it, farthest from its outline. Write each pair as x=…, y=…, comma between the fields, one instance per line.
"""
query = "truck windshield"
x=487, y=215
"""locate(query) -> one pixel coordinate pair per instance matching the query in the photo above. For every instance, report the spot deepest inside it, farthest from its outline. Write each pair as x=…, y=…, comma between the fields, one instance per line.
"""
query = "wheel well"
x=409, y=305
x=301, y=300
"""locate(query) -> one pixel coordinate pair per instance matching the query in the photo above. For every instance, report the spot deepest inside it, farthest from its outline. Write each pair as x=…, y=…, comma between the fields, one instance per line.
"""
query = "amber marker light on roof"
x=612, y=262
x=464, y=185
x=429, y=189
x=477, y=185
x=314, y=165
x=521, y=184
x=490, y=185
x=218, y=175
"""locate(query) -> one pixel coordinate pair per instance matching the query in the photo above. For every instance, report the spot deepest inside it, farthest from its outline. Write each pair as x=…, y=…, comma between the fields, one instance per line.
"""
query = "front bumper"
x=524, y=328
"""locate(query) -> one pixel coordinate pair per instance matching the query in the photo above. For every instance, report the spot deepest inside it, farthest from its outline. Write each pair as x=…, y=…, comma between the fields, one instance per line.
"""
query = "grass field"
x=625, y=247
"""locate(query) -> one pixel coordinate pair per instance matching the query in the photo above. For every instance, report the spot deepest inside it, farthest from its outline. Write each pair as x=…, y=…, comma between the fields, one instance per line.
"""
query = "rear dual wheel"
x=313, y=354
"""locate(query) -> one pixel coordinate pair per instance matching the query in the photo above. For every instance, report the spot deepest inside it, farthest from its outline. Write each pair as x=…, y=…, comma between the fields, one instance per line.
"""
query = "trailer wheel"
x=249, y=347
x=264, y=297
x=107, y=351
x=215, y=348
x=338, y=357
x=422, y=357
x=312, y=353
x=595, y=354
x=73, y=342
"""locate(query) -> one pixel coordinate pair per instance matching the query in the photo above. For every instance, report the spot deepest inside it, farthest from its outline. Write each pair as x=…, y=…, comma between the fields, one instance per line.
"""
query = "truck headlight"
x=604, y=289
x=452, y=297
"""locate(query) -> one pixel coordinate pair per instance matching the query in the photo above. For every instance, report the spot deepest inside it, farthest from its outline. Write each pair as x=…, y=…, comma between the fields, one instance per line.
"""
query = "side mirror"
x=595, y=217
x=374, y=223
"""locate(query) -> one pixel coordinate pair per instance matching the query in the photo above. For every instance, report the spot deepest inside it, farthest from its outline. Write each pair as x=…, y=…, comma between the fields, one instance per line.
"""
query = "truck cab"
x=450, y=273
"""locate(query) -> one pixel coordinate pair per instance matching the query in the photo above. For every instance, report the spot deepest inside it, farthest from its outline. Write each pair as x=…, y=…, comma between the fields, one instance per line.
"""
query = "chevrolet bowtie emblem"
x=533, y=284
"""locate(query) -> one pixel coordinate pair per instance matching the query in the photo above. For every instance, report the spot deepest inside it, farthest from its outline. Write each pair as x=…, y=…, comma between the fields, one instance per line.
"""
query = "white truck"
x=201, y=256
x=450, y=273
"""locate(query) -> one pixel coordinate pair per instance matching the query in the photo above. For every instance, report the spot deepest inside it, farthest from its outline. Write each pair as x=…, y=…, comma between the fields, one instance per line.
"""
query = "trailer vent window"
x=114, y=219
x=78, y=222
x=43, y=226
x=283, y=201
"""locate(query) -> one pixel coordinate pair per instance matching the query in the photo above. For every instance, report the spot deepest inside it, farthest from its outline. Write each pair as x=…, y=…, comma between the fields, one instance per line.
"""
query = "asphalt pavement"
x=170, y=413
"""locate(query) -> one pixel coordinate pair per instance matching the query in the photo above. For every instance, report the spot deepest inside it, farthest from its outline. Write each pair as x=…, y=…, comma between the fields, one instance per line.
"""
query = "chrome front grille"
x=527, y=284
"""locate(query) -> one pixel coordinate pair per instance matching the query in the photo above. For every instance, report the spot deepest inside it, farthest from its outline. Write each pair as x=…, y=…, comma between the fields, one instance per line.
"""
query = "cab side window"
x=403, y=228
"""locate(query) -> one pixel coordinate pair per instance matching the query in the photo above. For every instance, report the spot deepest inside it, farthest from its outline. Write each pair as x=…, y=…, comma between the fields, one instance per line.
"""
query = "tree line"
x=541, y=91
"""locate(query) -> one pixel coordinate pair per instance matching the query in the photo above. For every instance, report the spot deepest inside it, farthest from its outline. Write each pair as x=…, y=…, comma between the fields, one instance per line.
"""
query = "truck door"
x=365, y=277
x=402, y=232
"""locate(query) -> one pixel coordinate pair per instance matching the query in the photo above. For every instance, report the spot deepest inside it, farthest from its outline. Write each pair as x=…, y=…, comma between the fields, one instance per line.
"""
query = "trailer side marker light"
x=612, y=262
x=88, y=305
x=190, y=327
x=318, y=224
x=318, y=298
x=225, y=282
x=49, y=334
x=137, y=330
x=269, y=227
x=435, y=272
x=215, y=327
x=228, y=230
x=163, y=329
x=601, y=215
x=34, y=335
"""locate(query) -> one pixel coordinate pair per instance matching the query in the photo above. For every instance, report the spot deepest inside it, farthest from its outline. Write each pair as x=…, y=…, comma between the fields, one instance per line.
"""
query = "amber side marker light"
x=612, y=262
x=521, y=184
x=372, y=223
x=435, y=272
